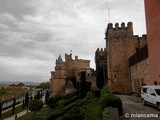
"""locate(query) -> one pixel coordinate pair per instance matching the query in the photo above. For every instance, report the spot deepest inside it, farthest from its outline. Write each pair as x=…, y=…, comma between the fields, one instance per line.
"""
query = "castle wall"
x=58, y=86
x=77, y=72
x=74, y=67
x=152, y=9
x=120, y=44
x=139, y=75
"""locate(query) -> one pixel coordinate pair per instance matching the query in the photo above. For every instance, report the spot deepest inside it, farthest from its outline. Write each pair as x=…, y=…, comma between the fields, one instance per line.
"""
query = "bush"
x=72, y=99
x=92, y=111
x=35, y=105
x=72, y=117
x=52, y=101
x=97, y=93
x=109, y=100
x=70, y=95
x=104, y=91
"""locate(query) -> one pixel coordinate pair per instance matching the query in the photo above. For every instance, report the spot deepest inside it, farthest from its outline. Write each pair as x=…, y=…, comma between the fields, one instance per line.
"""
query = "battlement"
x=68, y=57
x=101, y=50
x=122, y=30
x=110, y=25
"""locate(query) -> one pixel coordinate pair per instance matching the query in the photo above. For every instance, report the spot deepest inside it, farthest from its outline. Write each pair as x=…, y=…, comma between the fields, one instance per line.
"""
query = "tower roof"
x=59, y=60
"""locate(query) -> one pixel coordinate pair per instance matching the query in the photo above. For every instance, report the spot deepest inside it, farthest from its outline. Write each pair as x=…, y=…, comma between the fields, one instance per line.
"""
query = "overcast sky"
x=34, y=32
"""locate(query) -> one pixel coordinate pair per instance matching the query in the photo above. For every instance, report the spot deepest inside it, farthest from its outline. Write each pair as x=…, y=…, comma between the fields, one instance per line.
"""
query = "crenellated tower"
x=120, y=45
x=101, y=67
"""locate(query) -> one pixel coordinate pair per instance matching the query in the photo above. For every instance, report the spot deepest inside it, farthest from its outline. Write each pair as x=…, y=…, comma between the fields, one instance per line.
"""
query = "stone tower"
x=58, y=77
x=120, y=45
x=101, y=67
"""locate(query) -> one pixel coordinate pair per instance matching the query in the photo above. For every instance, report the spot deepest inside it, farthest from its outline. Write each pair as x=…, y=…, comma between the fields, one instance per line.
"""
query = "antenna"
x=108, y=15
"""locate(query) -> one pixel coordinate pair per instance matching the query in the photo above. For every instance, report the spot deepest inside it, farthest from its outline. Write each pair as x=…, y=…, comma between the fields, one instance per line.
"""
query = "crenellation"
x=116, y=25
x=68, y=57
x=121, y=31
x=110, y=25
x=101, y=50
x=129, y=25
x=122, y=25
x=143, y=41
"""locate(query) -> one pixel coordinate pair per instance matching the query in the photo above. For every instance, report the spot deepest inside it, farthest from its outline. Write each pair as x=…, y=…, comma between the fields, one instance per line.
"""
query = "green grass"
x=9, y=113
x=9, y=91
x=28, y=116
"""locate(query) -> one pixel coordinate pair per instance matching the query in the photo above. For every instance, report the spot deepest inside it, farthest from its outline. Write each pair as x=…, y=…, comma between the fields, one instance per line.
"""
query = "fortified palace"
x=125, y=57
x=67, y=74
x=125, y=64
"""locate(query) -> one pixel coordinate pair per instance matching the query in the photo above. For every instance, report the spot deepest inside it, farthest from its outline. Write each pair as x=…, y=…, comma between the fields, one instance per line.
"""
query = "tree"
x=35, y=105
x=38, y=95
x=23, y=104
x=46, y=96
x=44, y=85
x=101, y=75
x=0, y=110
x=26, y=99
x=83, y=87
x=14, y=103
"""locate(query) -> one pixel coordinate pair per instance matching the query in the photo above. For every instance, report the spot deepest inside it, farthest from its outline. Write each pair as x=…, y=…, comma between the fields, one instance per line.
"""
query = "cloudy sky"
x=34, y=32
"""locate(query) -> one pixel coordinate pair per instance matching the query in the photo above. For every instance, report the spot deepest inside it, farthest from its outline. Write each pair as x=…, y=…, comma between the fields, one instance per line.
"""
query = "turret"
x=68, y=57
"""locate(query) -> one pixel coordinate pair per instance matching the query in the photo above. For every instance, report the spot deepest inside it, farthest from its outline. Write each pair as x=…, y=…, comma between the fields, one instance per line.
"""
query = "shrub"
x=72, y=117
x=35, y=105
x=104, y=91
x=97, y=93
x=92, y=112
x=72, y=99
x=52, y=101
x=109, y=100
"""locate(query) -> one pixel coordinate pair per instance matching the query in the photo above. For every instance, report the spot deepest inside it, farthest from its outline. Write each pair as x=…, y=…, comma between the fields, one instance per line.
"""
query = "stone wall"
x=75, y=66
x=121, y=44
x=139, y=75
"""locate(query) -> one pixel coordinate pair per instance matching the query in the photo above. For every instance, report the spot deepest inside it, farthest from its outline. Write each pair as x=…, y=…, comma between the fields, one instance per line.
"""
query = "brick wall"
x=152, y=8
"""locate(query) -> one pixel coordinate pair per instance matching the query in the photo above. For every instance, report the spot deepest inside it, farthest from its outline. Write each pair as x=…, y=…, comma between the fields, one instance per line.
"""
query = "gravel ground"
x=132, y=106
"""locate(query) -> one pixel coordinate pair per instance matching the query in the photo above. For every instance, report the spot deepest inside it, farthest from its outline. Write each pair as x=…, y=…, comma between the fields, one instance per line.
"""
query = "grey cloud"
x=15, y=7
x=39, y=30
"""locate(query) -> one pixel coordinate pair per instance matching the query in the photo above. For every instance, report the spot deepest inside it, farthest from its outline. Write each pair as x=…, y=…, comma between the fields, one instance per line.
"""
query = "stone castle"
x=67, y=74
x=122, y=70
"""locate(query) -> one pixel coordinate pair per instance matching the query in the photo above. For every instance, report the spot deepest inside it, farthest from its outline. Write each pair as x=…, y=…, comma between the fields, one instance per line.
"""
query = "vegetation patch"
x=9, y=113
x=74, y=107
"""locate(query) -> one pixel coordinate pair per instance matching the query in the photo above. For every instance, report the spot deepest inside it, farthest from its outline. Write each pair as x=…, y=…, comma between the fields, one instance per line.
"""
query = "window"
x=152, y=92
x=157, y=91
x=144, y=90
x=155, y=83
